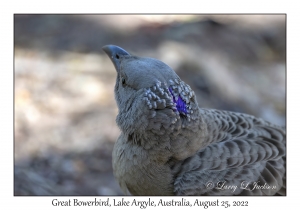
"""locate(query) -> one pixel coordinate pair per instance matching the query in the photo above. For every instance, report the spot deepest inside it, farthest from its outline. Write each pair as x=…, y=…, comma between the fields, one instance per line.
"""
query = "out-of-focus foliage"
x=64, y=104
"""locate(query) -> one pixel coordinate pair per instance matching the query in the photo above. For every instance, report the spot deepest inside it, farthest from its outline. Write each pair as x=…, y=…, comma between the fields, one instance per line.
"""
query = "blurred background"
x=64, y=104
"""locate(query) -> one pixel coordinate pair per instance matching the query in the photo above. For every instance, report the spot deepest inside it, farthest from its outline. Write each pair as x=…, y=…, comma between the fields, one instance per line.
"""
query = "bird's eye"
x=123, y=80
x=117, y=56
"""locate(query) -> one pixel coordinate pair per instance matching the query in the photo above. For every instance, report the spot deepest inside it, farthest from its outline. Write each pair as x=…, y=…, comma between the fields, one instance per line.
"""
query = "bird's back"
x=244, y=156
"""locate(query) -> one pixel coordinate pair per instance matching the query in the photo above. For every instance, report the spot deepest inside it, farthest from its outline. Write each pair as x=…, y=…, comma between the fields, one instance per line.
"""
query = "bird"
x=170, y=146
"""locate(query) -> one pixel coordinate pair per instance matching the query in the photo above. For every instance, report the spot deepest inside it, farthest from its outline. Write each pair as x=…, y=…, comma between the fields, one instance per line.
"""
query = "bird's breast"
x=138, y=173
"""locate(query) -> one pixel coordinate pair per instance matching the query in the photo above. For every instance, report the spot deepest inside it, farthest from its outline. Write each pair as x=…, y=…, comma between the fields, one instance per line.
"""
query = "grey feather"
x=170, y=146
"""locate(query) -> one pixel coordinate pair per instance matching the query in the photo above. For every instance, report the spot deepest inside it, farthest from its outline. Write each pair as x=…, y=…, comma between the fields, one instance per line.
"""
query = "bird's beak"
x=115, y=54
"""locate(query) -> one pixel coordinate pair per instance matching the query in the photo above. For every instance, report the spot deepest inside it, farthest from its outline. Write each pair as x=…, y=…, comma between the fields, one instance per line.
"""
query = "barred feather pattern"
x=245, y=156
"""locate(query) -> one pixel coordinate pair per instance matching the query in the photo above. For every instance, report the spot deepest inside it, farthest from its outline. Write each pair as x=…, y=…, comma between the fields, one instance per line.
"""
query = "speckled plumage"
x=170, y=146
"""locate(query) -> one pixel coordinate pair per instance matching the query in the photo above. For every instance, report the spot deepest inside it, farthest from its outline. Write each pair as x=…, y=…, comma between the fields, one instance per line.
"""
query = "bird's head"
x=151, y=81
x=136, y=73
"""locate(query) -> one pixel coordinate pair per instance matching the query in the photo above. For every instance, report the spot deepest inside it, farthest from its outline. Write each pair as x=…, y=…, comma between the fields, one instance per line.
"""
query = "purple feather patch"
x=180, y=103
